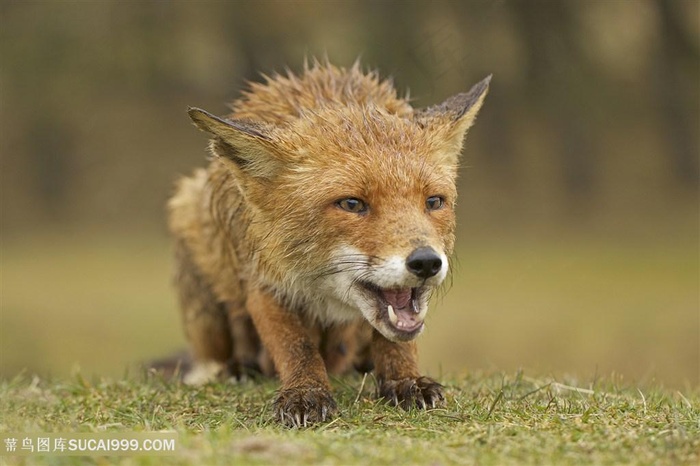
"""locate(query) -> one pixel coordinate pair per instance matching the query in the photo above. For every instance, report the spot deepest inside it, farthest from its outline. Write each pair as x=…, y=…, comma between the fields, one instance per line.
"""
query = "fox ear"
x=455, y=115
x=245, y=146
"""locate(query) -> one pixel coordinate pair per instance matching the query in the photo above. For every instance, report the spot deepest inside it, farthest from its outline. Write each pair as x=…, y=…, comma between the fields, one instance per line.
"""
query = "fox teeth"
x=392, y=315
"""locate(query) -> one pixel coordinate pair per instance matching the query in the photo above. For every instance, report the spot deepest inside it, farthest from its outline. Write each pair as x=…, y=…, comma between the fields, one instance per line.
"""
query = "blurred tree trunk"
x=678, y=55
x=556, y=89
x=51, y=158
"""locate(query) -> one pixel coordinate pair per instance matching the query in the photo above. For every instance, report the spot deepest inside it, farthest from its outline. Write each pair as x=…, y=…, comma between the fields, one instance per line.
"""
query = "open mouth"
x=400, y=307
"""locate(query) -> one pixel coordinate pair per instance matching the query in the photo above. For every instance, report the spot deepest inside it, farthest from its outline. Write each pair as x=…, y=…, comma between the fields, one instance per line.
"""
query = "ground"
x=494, y=418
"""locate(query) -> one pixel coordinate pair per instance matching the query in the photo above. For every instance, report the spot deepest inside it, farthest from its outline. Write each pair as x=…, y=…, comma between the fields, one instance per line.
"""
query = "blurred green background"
x=578, y=217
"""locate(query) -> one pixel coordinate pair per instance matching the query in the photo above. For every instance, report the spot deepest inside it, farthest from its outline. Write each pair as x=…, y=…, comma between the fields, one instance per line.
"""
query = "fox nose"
x=424, y=262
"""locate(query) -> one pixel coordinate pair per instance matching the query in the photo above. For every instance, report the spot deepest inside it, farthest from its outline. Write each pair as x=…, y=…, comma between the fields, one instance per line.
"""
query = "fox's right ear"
x=452, y=118
x=245, y=146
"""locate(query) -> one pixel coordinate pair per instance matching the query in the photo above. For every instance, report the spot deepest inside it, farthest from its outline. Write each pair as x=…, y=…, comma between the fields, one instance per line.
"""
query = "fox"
x=312, y=241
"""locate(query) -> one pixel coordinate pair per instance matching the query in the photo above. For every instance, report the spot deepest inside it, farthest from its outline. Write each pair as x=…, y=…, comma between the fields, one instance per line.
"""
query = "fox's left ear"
x=452, y=118
x=245, y=147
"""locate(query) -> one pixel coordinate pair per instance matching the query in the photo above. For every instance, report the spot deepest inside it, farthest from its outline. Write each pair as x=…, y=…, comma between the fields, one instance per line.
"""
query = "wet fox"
x=313, y=240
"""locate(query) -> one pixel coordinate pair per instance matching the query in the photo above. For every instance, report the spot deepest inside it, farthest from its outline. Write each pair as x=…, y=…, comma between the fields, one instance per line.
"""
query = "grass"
x=489, y=419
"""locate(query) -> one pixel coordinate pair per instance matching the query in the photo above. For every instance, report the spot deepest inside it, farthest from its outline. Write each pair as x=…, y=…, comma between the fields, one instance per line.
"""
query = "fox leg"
x=304, y=397
x=362, y=359
x=204, y=319
x=246, y=348
x=339, y=345
x=396, y=366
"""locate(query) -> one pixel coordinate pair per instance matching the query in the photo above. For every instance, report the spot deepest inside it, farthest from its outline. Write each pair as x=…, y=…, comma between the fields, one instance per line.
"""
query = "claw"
x=422, y=393
x=299, y=409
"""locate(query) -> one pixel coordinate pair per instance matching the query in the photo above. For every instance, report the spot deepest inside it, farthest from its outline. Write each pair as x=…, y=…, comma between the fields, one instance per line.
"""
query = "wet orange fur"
x=258, y=224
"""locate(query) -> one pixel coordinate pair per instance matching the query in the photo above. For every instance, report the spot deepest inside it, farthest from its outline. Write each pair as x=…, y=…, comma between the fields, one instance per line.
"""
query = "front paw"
x=422, y=392
x=302, y=407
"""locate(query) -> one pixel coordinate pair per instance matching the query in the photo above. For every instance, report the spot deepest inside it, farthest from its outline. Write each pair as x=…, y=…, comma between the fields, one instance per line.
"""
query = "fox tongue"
x=402, y=315
x=398, y=299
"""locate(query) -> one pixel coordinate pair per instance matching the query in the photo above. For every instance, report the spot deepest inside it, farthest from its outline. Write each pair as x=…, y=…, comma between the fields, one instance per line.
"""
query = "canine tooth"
x=392, y=315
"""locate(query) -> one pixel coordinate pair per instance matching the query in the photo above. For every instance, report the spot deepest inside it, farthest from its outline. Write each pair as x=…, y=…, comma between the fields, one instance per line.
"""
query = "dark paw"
x=302, y=407
x=422, y=393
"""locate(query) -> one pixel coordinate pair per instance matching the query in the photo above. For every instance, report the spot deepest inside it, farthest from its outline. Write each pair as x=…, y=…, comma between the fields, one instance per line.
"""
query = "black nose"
x=424, y=262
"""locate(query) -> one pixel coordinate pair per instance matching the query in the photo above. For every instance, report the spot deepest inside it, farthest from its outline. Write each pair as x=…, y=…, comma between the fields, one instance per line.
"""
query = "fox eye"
x=435, y=203
x=353, y=205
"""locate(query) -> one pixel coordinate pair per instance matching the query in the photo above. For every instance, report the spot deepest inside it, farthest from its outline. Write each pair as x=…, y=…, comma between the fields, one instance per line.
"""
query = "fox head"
x=350, y=206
